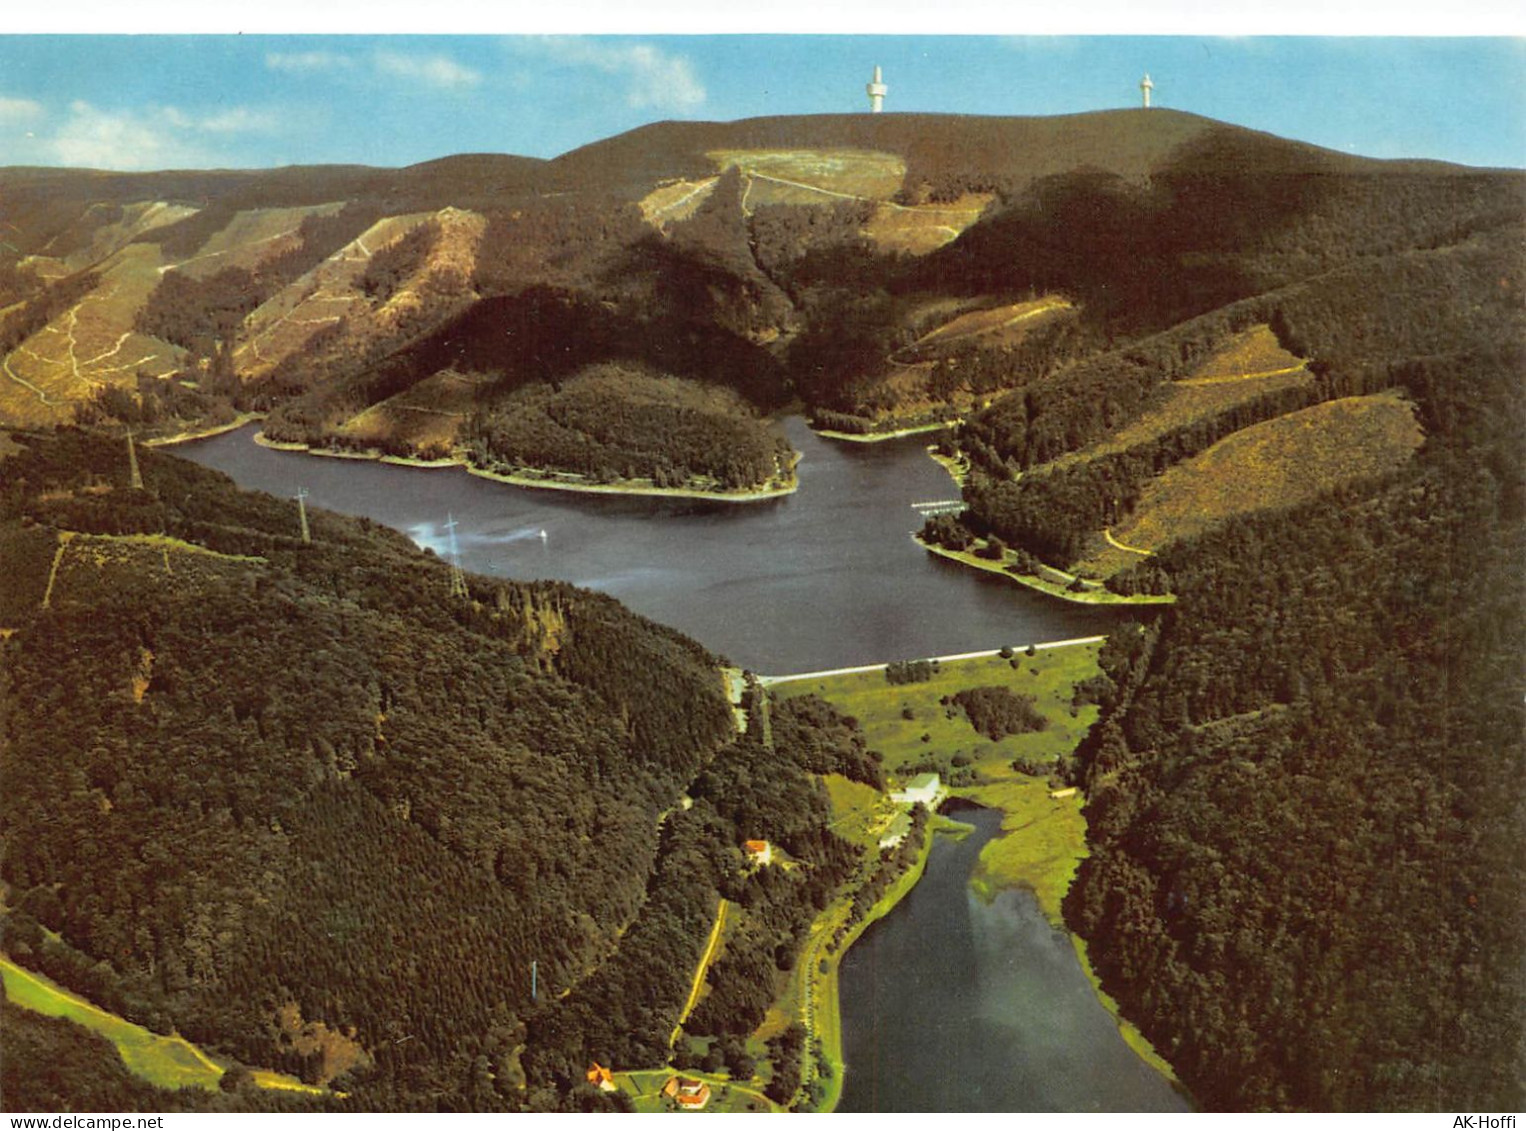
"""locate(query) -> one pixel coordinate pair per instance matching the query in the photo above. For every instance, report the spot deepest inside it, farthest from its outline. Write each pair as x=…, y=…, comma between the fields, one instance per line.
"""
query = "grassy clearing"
x=1251, y=353
x=164, y=542
x=857, y=173
x=1185, y=404
x=1042, y=842
x=996, y=326
x=1280, y=463
x=1251, y=365
x=678, y=200
x=860, y=813
x=166, y=1062
x=328, y=293
x=1043, y=838
x=644, y=1086
x=91, y=344
x=922, y=228
x=881, y=708
x=428, y=413
x=252, y=237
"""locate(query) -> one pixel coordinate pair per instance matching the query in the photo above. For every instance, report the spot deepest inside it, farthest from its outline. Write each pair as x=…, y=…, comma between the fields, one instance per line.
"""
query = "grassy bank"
x=233, y=425
x=814, y=985
x=958, y=467
x=1092, y=594
x=166, y=1062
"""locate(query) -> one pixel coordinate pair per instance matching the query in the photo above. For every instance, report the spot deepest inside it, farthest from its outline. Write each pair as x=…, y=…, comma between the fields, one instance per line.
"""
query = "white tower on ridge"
x=1145, y=86
x=877, y=91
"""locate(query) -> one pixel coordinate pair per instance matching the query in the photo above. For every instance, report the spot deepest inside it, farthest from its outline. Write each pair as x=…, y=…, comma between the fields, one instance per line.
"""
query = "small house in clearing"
x=759, y=851
x=687, y=1093
x=601, y=1078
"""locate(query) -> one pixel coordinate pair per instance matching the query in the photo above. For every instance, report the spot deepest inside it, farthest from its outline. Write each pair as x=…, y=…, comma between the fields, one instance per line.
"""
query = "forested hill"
x=1306, y=791
x=298, y=802
x=873, y=268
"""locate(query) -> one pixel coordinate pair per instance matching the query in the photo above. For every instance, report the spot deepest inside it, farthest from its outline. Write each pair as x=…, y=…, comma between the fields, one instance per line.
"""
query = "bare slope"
x=1281, y=463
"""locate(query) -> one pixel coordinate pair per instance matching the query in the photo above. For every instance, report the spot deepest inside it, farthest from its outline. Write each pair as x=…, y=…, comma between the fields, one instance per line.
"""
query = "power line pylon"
x=302, y=513
x=135, y=477
x=457, y=578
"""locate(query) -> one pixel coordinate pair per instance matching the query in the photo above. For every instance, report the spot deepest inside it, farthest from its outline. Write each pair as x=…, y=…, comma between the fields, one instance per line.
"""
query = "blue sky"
x=158, y=101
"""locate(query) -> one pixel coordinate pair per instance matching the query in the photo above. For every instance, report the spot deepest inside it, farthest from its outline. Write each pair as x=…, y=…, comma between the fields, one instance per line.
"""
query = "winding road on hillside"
x=1117, y=545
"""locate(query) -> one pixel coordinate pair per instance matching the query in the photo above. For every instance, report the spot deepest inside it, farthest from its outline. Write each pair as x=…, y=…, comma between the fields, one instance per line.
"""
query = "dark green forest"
x=614, y=422
x=1305, y=792
x=286, y=776
x=306, y=775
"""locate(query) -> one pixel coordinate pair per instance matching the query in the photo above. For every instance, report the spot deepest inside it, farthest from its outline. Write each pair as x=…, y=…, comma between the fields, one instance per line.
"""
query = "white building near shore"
x=924, y=789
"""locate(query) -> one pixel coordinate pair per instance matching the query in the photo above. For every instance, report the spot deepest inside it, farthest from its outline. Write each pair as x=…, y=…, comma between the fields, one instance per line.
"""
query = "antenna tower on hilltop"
x=1145, y=86
x=877, y=91
x=302, y=513
x=457, y=578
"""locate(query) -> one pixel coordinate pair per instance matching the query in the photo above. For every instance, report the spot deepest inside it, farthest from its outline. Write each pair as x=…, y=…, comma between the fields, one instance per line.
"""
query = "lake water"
x=950, y=1003
x=827, y=577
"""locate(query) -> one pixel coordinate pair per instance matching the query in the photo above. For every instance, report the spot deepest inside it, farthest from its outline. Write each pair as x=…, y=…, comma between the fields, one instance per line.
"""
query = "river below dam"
x=948, y=1003
x=953, y=1003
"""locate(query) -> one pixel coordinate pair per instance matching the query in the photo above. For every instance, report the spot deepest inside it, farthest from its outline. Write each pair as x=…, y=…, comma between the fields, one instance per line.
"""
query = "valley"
x=442, y=816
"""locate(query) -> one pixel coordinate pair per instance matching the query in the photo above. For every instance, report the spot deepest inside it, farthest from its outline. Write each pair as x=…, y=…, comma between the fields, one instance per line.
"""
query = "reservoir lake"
x=949, y=1003
x=826, y=577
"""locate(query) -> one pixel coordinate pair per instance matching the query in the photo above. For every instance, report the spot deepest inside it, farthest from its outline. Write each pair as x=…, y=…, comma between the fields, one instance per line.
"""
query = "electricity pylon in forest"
x=457, y=578
x=134, y=476
x=302, y=513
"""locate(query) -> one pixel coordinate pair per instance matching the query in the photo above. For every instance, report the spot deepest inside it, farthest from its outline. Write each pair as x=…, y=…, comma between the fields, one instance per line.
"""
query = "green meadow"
x=166, y=1062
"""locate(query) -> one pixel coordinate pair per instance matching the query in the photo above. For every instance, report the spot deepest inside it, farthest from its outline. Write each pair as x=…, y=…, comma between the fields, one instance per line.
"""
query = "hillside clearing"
x=998, y=323
x=427, y=414
x=1252, y=365
x=92, y=344
x=1280, y=463
x=250, y=238
x=813, y=176
x=166, y=1062
x=1252, y=353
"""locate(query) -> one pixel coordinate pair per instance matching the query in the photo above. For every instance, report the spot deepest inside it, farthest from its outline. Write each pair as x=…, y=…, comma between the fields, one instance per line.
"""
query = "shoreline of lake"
x=879, y=437
x=1088, y=596
x=630, y=487
x=207, y=433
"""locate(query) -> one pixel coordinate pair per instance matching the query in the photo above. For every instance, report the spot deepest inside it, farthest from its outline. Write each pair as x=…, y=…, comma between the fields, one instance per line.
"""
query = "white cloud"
x=239, y=119
x=121, y=139
x=432, y=70
x=297, y=62
x=154, y=137
x=19, y=111
x=652, y=77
